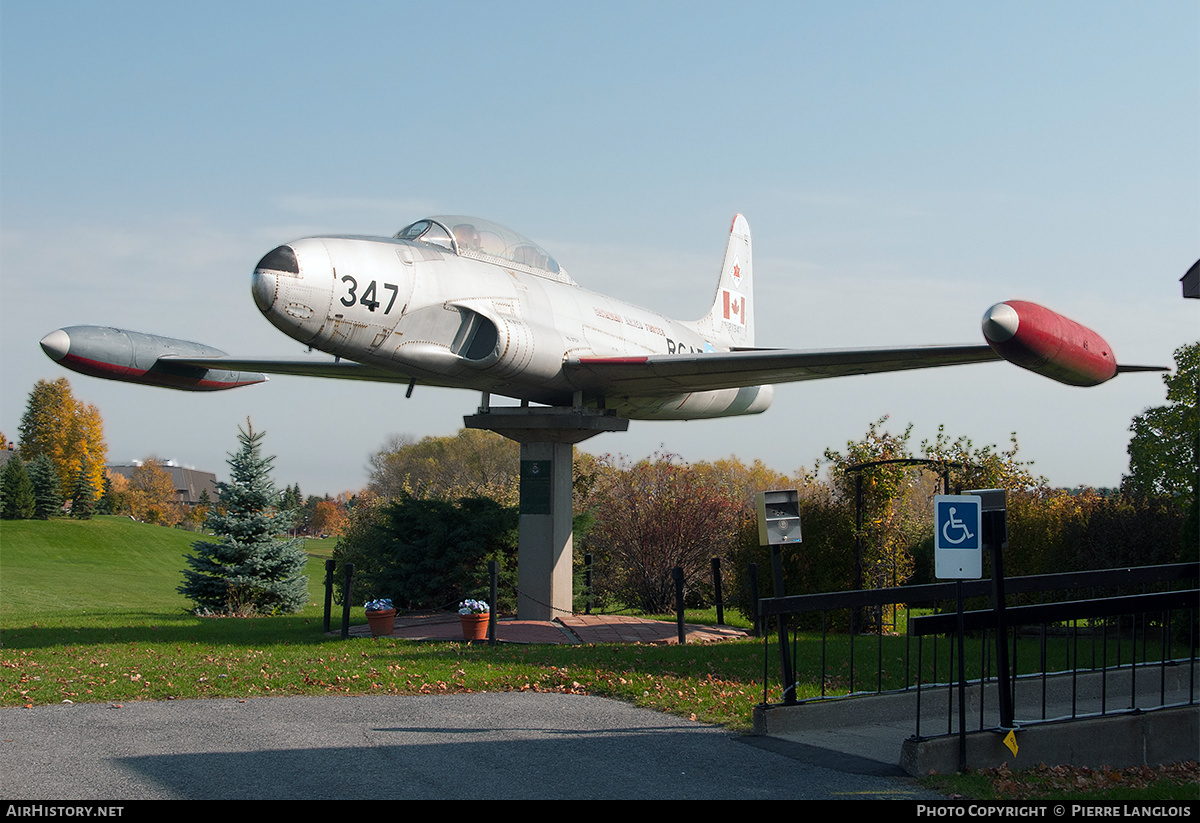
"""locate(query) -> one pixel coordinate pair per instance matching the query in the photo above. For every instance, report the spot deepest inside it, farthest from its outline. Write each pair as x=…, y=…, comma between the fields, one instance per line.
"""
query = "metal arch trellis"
x=857, y=469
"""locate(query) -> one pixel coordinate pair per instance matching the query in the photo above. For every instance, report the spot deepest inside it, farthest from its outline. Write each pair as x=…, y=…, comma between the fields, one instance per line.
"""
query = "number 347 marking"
x=368, y=296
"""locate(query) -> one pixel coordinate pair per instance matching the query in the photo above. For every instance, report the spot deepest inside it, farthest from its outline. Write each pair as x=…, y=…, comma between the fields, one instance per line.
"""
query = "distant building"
x=189, y=483
x=1191, y=281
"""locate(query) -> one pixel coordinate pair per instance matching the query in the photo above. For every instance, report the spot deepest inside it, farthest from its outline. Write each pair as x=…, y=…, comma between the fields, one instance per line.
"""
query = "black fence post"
x=494, y=574
x=677, y=573
x=587, y=583
x=716, y=573
x=995, y=538
x=752, y=577
x=346, y=588
x=856, y=619
x=329, y=567
x=785, y=659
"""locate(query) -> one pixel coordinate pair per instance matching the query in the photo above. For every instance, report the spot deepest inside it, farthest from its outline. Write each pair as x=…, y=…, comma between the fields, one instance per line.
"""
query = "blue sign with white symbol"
x=957, y=542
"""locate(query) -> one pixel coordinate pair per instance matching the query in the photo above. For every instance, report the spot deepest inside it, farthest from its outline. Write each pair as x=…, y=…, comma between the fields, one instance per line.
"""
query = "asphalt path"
x=504, y=746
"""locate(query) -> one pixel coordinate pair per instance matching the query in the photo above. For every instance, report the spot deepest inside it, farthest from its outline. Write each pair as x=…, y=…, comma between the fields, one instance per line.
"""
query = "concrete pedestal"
x=544, y=552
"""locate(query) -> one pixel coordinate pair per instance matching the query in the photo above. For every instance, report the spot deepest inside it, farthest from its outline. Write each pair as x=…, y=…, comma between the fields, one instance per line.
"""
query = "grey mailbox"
x=778, y=517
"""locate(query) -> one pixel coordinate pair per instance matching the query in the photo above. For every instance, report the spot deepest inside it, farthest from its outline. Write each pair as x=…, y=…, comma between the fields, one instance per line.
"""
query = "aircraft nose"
x=56, y=344
x=264, y=284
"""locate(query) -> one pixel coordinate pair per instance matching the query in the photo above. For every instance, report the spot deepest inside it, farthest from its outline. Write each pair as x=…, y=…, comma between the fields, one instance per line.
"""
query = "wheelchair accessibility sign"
x=957, y=541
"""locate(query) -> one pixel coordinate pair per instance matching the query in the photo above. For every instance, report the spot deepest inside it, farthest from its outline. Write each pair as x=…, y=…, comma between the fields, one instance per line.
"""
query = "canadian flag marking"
x=733, y=305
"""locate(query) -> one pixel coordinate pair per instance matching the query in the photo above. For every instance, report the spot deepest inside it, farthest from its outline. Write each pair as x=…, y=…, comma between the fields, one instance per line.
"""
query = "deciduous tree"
x=68, y=432
x=891, y=516
x=985, y=467
x=656, y=515
x=1162, y=451
x=746, y=481
x=473, y=463
x=328, y=518
x=116, y=494
x=152, y=495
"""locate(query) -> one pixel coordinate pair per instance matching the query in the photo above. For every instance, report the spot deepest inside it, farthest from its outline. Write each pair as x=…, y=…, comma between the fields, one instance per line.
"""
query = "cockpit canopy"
x=483, y=240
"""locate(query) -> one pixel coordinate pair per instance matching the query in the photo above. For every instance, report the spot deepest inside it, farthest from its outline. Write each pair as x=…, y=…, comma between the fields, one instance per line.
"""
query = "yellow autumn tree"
x=118, y=493
x=472, y=463
x=748, y=480
x=89, y=453
x=152, y=495
x=329, y=517
x=68, y=432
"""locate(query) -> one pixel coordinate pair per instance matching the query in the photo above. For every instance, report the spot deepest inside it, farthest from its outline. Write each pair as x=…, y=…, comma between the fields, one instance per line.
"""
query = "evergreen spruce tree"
x=18, y=491
x=292, y=502
x=250, y=570
x=47, y=490
x=84, y=496
x=104, y=505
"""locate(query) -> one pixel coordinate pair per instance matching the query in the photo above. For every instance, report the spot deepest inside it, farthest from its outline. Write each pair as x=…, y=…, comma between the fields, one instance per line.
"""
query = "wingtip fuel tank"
x=134, y=357
x=1043, y=341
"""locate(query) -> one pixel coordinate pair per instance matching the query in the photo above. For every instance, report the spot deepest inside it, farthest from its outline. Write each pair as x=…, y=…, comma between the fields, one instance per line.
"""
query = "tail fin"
x=730, y=323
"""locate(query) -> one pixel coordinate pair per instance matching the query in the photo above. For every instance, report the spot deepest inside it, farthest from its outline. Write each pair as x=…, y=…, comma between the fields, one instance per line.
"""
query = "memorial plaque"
x=535, y=487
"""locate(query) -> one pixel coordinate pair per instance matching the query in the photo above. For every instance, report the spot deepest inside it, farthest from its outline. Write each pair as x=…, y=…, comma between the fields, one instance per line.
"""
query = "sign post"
x=778, y=525
x=958, y=555
x=995, y=537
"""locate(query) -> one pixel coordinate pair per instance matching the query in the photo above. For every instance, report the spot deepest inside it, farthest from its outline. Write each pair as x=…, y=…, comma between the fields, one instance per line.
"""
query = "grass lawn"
x=89, y=612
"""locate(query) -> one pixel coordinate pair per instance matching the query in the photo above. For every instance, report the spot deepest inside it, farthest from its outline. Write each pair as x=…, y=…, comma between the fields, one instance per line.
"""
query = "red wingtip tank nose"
x=1043, y=341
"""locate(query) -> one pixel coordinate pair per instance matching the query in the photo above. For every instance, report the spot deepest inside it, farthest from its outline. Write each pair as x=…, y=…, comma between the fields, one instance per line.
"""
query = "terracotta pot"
x=474, y=626
x=382, y=623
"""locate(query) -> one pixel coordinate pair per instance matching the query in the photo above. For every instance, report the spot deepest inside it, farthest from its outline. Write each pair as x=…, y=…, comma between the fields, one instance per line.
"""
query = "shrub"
x=431, y=554
x=652, y=517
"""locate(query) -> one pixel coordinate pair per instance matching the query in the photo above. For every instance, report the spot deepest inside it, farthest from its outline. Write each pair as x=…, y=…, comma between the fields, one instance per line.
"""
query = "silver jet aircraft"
x=464, y=303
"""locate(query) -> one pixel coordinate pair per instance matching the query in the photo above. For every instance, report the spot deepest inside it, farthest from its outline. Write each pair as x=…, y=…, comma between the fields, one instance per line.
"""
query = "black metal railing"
x=1073, y=643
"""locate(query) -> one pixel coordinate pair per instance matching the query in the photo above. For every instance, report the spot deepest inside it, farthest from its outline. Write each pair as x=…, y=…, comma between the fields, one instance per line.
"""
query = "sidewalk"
x=573, y=628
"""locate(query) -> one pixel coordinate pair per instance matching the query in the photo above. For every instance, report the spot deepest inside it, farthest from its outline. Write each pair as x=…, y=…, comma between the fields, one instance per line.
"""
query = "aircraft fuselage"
x=471, y=322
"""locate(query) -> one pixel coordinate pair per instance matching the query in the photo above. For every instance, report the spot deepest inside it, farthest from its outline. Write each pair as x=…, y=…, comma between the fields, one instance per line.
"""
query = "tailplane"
x=730, y=323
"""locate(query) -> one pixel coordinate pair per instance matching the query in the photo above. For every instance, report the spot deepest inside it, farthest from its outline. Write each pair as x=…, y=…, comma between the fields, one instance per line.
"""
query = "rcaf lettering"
x=680, y=348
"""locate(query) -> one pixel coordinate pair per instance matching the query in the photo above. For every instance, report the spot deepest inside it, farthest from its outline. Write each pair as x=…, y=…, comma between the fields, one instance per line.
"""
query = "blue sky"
x=903, y=166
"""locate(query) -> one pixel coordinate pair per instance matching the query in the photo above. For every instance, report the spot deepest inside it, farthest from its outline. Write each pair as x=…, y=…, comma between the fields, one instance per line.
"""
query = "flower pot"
x=474, y=626
x=382, y=623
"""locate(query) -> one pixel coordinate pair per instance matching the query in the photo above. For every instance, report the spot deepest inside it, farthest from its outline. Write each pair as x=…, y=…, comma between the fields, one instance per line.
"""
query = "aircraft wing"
x=668, y=374
x=304, y=367
x=340, y=369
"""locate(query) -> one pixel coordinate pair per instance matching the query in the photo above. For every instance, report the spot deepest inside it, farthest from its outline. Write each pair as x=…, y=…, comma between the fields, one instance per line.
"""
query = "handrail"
x=793, y=604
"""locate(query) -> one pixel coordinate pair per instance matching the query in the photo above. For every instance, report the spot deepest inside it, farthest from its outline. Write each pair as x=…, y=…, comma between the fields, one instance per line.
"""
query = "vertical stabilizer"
x=730, y=323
